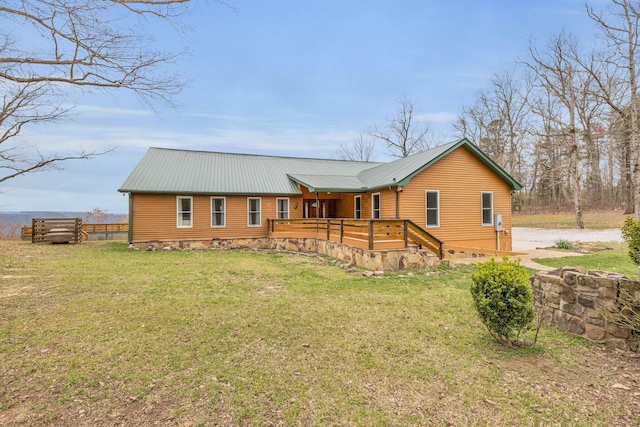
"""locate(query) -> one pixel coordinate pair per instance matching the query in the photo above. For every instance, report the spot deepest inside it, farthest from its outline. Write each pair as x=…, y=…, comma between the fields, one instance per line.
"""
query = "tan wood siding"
x=155, y=217
x=460, y=178
x=387, y=204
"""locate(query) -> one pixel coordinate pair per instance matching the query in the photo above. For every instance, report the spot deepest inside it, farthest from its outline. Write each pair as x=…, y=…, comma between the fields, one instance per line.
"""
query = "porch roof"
x=328, y=183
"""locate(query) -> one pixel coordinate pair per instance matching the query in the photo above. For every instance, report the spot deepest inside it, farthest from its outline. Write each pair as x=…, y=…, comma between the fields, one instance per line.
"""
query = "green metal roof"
x=201, y=172
x=324, y=183
x=401, y=171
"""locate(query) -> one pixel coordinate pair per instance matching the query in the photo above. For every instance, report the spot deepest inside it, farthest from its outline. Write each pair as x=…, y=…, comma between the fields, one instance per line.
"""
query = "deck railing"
x=369, y=234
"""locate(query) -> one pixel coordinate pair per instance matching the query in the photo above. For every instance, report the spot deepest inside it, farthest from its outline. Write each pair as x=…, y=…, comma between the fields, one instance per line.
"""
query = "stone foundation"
x=379, y=260
x=575, y=302
x=252, y=243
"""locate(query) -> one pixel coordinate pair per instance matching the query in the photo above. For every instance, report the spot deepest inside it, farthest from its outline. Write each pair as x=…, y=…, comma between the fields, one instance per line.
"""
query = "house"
x=452, y=195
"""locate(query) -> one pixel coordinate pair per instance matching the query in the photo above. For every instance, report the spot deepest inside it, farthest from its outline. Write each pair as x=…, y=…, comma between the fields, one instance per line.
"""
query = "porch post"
x=341, y=229
x=370, y=234
x=406, y=234
x=317, y=212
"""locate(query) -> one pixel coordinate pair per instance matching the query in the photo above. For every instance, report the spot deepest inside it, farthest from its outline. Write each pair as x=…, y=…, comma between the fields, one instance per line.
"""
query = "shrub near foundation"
x=631, y=233
x=503, y=299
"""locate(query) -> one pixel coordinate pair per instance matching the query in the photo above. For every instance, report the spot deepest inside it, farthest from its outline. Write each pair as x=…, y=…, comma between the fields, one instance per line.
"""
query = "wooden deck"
x=371, y=234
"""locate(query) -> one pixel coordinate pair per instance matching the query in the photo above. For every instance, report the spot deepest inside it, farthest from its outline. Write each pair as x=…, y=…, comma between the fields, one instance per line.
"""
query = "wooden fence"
x=364, y=233
x=56, y=230
x=107, y=229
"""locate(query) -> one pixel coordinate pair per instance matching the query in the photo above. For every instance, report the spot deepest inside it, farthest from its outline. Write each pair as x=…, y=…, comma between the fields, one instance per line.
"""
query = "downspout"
x=397, y=199
x=130, y=219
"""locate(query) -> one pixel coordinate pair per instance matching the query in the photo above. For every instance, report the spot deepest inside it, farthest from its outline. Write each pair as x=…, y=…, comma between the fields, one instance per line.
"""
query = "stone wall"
x=154, y=245
x=575, y=302
x=379, y=260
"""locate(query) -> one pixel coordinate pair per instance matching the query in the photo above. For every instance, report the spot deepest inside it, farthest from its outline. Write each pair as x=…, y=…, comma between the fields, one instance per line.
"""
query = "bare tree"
x=570, y=131
x=403, y=134
x=360, y=149
x=497, y=122
x=51, y=49
x=619, y=24
x=556, y=73
x=472, y=121
x=96, y=216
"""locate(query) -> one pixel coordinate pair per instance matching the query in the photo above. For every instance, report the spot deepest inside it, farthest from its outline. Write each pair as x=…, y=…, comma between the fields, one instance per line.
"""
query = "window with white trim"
x=357, y=207
x=432, y=207
x=282, y=208
x=185, y=214
x=253, y=211
x=218, y=217
x=487, y=208
x=375, y=205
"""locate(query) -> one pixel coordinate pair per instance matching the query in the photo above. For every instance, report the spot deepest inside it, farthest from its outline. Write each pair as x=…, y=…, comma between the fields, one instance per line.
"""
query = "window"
x=375, y=205
x=487, y=208
x=184, y=212
x=282, y=208
x=217, y=211
x=357, y=207
x=432, y=205
x=253, y=210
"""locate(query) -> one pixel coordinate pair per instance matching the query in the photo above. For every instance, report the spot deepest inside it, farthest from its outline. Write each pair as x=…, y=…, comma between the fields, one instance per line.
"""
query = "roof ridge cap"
x=265, y=155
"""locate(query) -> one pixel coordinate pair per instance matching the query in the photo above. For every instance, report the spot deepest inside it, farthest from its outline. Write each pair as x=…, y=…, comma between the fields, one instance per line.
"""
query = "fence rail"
x=26, y=232
x=56, y=230
x=368, y=234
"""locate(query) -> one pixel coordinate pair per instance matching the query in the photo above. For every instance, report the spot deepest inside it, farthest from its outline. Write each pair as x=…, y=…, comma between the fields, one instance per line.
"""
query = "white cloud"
x=101, y=176
x=104, y=112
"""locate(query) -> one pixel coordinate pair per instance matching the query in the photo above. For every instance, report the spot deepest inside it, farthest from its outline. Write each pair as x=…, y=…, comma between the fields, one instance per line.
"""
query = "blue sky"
x=295, y=78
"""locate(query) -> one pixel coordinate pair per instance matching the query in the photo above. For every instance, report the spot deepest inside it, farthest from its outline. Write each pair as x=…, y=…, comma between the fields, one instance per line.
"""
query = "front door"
x=319, y=209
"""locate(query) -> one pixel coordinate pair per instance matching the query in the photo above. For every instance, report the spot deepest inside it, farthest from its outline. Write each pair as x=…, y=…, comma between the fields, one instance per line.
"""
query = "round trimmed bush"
x=631, y=233
x=503, y=299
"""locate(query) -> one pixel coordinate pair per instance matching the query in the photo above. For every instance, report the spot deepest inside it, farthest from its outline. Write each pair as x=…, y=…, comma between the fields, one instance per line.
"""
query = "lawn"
x=616, y=261
x=96, y=334
x=592, y=220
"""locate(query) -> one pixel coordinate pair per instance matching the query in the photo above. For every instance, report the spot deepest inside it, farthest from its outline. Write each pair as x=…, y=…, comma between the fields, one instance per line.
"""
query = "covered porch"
x=370, y=234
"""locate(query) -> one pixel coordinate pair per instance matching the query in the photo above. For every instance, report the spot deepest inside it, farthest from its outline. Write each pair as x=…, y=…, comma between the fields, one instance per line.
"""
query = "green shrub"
x=565, y=244
x=503, y=298
x=631, y=233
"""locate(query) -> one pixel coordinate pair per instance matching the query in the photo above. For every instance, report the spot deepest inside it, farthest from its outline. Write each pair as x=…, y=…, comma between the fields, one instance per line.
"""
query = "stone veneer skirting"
x=375, y=260
x=575, y=302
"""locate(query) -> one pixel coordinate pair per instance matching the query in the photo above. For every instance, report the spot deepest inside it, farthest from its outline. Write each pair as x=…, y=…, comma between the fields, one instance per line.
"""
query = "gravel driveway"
x=527, y=239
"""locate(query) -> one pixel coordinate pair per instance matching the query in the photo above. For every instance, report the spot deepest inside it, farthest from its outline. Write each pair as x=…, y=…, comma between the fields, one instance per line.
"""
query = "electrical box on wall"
x=498, y=222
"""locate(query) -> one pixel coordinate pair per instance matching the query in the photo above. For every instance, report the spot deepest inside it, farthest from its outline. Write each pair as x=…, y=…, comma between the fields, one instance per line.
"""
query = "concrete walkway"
x=526, y=260
x=527, y=239
x=535, y=243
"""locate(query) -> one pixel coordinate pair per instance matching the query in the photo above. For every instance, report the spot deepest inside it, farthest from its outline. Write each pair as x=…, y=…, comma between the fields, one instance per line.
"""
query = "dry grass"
x=96, y=334
x=592, y=220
